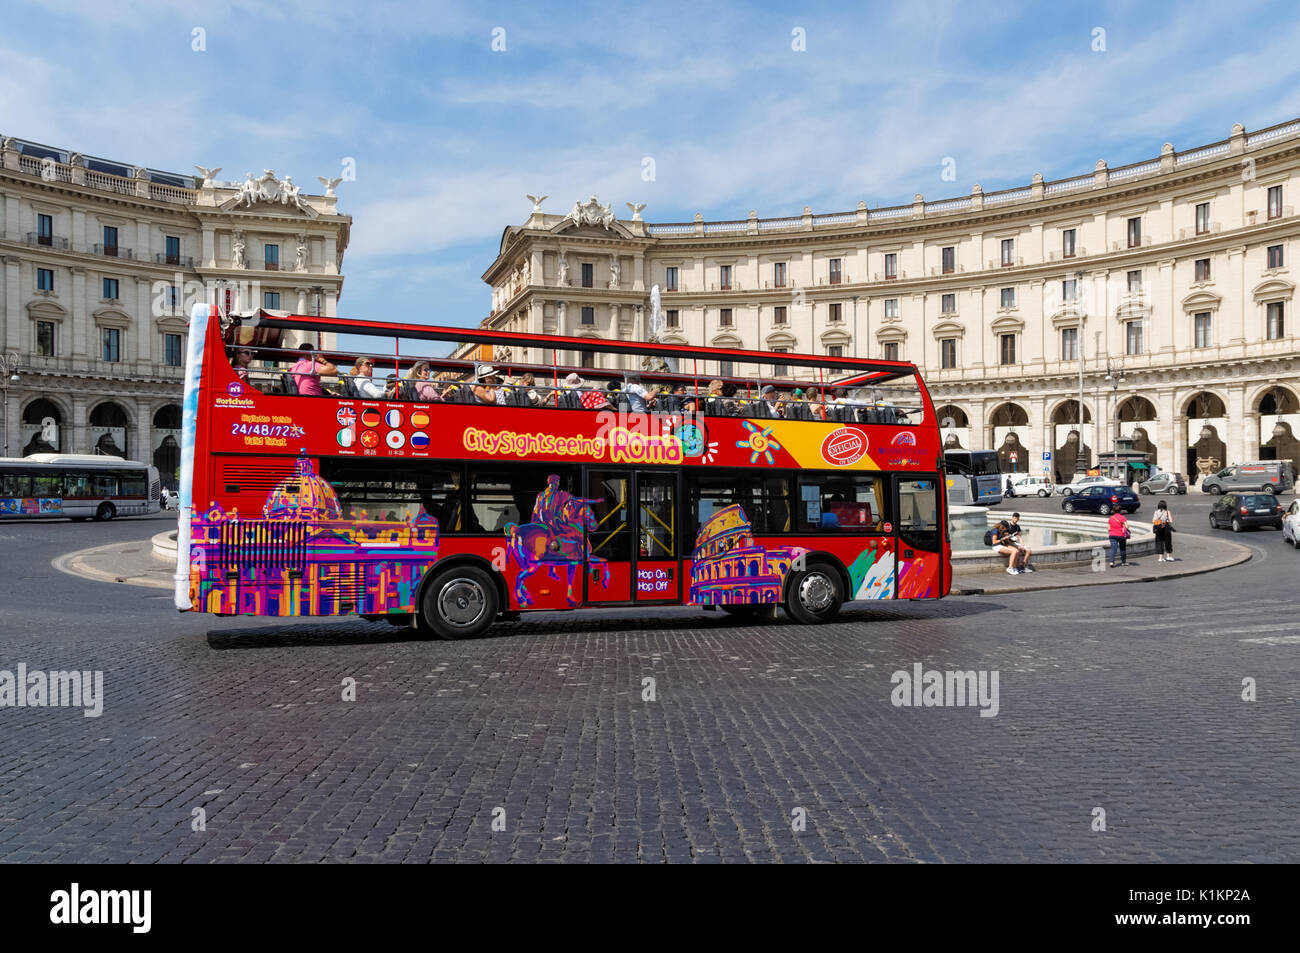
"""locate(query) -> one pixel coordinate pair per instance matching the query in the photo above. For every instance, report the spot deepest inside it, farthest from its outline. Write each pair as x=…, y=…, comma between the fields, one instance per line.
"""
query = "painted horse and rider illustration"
x=555, y=541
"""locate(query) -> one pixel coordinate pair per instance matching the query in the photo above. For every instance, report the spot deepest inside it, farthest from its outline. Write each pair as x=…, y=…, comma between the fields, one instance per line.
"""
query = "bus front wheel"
x=105, y=512
x=815, y=594
x=459, y=603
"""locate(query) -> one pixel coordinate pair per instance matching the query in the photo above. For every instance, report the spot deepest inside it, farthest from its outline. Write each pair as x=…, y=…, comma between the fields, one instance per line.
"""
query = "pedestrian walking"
x=1117, y=526
x=1163, y=524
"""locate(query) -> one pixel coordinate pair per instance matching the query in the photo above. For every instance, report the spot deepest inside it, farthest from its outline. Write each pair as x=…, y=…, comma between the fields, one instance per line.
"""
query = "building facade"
x=100, y=262
x=1167, y=283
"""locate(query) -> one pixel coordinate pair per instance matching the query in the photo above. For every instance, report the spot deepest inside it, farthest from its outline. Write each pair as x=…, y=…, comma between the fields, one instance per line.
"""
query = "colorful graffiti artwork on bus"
x=28, y=506
x=874, y=574
x=729, y=568
x=555, y=541
x=303, y=558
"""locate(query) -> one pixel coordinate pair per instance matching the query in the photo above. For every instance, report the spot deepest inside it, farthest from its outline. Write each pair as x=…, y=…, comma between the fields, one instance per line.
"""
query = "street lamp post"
x=8, y=375
x=1081, y=460
x=1115, y=377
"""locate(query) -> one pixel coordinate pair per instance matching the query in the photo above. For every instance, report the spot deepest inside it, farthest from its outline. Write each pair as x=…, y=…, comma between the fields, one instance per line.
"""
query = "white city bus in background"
x=979, y=468
x=77, y=486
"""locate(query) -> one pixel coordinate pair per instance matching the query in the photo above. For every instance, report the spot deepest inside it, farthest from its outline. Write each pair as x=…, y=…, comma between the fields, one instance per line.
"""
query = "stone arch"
x=1009, y=424
x=1206, y=413
x=1279, y=419
x=1071, y=451
x=1204, y=404
x=1137, y=418
x=1136, y=408
x=956, y=435
x=110, y=429
x=1066, y=412
x=35, y=431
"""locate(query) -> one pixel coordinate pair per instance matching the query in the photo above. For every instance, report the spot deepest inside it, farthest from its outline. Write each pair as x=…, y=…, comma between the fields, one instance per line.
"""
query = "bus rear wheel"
x=459, y=603
x=105, y=512
x=814, y=594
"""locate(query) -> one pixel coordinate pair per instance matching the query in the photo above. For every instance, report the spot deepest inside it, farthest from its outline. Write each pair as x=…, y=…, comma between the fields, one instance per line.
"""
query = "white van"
x=1031, y=484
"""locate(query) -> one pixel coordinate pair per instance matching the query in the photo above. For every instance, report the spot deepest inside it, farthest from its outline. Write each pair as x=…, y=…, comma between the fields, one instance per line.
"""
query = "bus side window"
x=837, y=502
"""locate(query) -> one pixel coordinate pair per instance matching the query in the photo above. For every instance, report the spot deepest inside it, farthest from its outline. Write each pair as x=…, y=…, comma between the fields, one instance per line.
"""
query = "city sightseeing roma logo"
x=844, y=447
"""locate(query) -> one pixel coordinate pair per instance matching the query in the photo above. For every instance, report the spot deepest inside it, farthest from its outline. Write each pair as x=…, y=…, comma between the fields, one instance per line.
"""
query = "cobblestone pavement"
x=1126, y=698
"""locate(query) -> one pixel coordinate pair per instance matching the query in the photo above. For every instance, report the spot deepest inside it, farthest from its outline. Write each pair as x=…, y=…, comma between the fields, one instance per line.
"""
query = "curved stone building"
x=1167, y=281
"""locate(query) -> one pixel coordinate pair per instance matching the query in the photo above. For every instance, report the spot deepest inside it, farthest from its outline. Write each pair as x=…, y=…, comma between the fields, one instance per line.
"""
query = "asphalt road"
x=230, y=740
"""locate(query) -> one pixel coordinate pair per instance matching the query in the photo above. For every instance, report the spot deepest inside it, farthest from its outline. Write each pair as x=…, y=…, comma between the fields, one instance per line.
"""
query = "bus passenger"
x=638, y=397
x=362, y=379
x=307, y=372
x=487, y=386
x=243, y=361
x=425, y=390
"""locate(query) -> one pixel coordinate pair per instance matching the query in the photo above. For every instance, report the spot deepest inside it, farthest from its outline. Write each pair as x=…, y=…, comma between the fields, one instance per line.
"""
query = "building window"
x=726, y=369
x=174, y=250
x=724, y=277
x=948, y=304
x=271, y=300
x=44, y=279
x=1134, y=232
x=1132, y=337
x=835, y=277
x=45, y=338
x=587, y=359
x=589, y=315
x=110, y=340
x=173, y=297
x=172, y=350
x=1275, y=201
x=891, y=265
x=835, y=350
x=949, y=259
x=891, y=307
x=778, y=274
x=1275, y=256
x=1276, y=321
x=837, y=312
x=110, y=241
x=891, y=351
x=270, y=252
x=1134, y=282
x=1201, y=325
x=670, y=319
x=1007, y=349
x=588, y=275
x=778, y=314
x=670, y=278
x=1069, y=344
x=110, y=289
x=781, y=370
x=1008, y=252
x=1202, y=269
x=1070, y=289
x=1067, y=243
x=1202, y=218
x=948, y=353
x=1008, y=297
x=724, y=317
x=44, y=230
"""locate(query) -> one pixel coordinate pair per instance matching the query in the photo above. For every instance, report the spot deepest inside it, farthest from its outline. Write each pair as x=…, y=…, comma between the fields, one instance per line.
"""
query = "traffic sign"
x=1047, y=454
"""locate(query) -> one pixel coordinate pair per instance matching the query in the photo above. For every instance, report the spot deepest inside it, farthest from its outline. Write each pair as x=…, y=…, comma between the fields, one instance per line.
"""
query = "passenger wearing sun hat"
x=487, y=386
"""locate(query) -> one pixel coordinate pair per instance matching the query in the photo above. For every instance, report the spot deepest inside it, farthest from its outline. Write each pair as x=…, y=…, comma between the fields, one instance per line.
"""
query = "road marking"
x=1275, y=640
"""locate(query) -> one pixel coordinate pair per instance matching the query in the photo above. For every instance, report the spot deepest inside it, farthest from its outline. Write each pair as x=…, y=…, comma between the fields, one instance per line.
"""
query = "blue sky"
x=448, y=135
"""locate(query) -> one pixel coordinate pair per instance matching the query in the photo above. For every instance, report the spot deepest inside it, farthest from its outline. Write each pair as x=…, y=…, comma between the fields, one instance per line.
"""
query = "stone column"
x=1236, y=437
x=209, y=252
x=638, y=272
x=12, y=223
x=1179, y=443
x=78, y=236
x=78, y=439
x=1250, y=436
x=302, y=300
x=146, y=327
x=143, y=447
x=13, y=428
x=81, y=324
x=1166, y=439
x=12, y=335
x=143, y=249
x=331, y=255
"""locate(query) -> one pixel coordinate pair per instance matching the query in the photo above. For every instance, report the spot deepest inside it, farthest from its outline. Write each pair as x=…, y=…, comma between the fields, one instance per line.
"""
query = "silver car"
x=1164, y=482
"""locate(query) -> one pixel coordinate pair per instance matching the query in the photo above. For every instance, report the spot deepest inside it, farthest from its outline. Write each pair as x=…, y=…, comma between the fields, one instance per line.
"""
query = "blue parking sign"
x=1047, y=455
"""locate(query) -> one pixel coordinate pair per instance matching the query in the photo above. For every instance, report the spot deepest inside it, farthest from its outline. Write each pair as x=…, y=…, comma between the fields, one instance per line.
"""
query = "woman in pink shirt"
x=1117, y=526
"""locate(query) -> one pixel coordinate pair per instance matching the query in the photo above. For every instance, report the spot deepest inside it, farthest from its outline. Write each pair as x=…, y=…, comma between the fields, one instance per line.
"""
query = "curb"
x=164, y=546
x=73, y=564
x=1242, y=555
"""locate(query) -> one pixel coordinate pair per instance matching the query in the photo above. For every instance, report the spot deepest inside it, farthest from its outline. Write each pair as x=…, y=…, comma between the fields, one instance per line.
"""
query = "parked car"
x=1164, y=482
x=1081, y=481
x=1246, y=510
x=1027, y=484
x=1102, y=499
x=1291, y=525
x=1267, y=476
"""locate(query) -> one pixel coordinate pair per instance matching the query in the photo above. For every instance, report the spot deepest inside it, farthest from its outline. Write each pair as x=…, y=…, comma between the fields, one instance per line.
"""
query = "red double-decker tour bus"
x=452, y=492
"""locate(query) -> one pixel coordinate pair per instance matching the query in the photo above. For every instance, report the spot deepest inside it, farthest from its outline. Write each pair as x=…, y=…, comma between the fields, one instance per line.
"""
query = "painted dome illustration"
x=303, y=496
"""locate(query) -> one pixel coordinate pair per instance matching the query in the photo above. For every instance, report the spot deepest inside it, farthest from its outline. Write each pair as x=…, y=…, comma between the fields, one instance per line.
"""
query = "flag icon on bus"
x=420, y=440
x=370, y=418
x=393, y=418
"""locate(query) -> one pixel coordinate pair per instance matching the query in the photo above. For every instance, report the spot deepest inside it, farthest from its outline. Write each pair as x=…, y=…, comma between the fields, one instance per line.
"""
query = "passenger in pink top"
x=1117, y=526
x=306, y=373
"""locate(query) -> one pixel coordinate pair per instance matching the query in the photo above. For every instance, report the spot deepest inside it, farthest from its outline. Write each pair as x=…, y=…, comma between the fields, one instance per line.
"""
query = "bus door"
x=918, y=543
x=634, y=542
